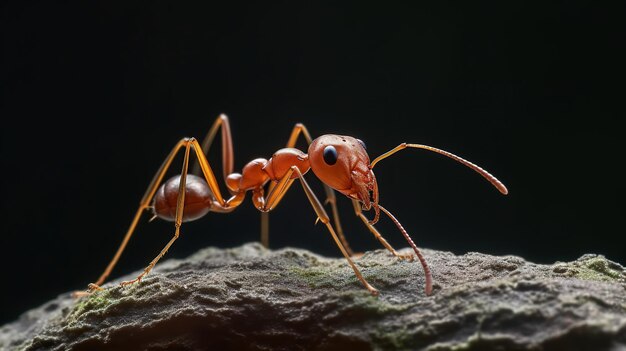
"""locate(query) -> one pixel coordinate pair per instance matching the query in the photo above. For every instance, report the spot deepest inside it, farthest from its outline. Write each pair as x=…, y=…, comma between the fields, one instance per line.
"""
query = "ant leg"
x=143, y=205
x=265, y=229
x=228, y=153
x=359, y=213
x=323, y=217
x=300, y=129
x=291, y=142
x=331, y=199
x=219, y=205
x=283, y=185
x=180, y=204
x=228, y=157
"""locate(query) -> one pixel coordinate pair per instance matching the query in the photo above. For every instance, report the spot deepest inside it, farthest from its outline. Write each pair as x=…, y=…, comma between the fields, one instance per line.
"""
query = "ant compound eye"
x=362, y=143
x=330, y=155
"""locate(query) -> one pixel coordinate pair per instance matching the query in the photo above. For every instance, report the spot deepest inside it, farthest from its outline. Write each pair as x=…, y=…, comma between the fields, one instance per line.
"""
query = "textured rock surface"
x=249, y=298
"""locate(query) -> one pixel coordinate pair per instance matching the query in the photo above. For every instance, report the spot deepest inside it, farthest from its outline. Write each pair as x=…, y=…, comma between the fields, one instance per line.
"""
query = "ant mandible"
x=340, y=162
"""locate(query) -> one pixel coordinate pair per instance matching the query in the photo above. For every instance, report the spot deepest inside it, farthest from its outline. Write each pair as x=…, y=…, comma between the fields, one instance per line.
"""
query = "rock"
x=250, y=298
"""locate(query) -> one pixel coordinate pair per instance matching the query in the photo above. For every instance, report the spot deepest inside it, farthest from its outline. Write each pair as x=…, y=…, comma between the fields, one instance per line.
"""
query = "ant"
x=340, y=162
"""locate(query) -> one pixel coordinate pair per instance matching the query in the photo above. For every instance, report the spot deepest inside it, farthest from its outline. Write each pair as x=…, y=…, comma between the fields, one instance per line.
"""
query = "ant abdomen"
x=198, y=198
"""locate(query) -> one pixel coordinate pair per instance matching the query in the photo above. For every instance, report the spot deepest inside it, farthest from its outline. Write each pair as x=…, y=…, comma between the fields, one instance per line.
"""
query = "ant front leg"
x=357, y=209
x=323, y=217
x=277, y=194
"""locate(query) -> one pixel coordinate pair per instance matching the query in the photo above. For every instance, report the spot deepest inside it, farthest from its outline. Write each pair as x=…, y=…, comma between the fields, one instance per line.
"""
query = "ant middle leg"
x=300, y=129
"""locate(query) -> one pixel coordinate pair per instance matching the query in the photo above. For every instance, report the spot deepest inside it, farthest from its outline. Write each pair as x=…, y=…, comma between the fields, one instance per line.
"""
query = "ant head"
x=343, y=164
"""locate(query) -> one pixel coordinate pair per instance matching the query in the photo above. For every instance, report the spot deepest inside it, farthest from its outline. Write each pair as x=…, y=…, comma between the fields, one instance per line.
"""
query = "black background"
x=95, y=95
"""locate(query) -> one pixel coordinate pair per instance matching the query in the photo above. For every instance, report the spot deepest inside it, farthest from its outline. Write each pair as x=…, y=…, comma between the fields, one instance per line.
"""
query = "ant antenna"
x=429, y=278
x=493, y=180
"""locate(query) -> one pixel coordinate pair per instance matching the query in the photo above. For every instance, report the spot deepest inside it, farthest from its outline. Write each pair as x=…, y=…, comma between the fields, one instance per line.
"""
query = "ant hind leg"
x=144, y=204
x=180, y=204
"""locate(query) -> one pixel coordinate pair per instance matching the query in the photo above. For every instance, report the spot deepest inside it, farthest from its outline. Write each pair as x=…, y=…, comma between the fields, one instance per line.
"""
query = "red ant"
x=340, y=162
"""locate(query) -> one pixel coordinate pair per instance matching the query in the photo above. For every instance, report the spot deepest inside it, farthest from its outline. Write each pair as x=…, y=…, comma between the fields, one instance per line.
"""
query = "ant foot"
x=409, y=257
x=357, y=254
x=93, y=287
x=129, y=282
x=90, y=289
x=79, y=293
